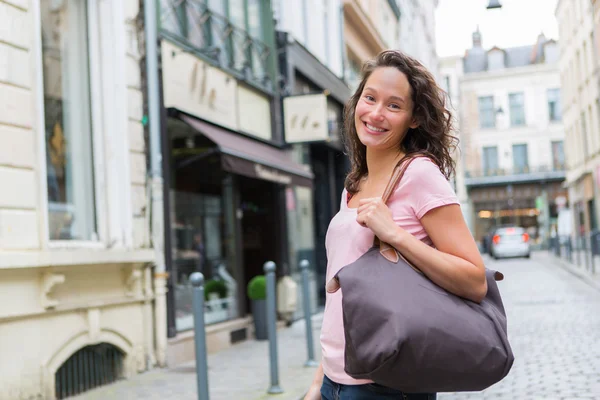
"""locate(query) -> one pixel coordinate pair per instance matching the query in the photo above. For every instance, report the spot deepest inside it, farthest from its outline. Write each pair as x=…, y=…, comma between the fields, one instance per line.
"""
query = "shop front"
x=232, y=199
x=236, y=197
x=532, y=206
x=313, y=113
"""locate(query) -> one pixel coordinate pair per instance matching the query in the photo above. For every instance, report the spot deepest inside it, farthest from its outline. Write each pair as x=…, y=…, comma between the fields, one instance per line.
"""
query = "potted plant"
x=257, y=292
x=215, y=289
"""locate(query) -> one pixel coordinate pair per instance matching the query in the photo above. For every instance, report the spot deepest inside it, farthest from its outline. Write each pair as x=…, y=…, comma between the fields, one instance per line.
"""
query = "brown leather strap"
x=397, y=175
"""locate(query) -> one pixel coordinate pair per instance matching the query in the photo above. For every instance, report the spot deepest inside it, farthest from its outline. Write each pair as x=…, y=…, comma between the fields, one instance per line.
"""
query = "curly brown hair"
x=433, y=137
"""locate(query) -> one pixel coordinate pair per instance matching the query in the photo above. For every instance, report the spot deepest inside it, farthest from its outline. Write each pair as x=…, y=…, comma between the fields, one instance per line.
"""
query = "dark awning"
x=244, y=156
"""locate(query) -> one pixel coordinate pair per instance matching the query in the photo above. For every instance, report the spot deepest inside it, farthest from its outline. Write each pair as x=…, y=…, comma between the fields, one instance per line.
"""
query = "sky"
x=517, y=23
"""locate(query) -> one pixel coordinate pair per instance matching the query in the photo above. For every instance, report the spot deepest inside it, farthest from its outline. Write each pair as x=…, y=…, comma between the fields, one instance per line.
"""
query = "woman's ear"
x=414, y=124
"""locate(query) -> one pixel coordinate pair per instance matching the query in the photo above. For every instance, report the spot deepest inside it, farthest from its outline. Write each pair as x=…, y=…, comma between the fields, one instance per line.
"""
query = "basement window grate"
x=90, y=367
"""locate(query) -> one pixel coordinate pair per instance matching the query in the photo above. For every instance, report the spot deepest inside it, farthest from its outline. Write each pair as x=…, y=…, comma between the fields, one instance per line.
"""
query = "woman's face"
x=384, y=111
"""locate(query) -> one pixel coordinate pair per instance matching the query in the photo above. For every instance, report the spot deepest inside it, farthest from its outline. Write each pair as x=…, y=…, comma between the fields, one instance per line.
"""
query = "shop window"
x=301, y=239
x=67, y=121
x=199, y=245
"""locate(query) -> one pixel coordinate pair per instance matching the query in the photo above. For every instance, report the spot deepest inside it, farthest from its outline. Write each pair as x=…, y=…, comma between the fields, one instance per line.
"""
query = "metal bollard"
x=269, y=268
x=197, y=280
x=304, y=264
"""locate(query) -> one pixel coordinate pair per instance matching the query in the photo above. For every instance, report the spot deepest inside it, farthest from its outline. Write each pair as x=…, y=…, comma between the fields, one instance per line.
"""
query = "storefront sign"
x=255, y=113
x=305, y=118
x=193, y=86
x=272, y=175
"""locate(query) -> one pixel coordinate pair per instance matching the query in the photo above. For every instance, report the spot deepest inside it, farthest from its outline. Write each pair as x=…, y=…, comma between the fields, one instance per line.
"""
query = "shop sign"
x=272, y=175
x=305, y=118
x=197, y=88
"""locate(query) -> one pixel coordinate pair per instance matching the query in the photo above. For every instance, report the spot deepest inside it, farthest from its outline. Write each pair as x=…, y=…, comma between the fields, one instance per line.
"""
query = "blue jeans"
x=372, y=391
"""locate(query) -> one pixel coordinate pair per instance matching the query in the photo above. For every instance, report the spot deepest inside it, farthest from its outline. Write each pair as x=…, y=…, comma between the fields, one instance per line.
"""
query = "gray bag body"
x=405, y=332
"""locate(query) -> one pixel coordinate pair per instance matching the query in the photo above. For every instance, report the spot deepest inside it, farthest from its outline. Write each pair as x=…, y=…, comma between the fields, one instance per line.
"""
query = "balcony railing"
x=523, y=174
x=217, y=38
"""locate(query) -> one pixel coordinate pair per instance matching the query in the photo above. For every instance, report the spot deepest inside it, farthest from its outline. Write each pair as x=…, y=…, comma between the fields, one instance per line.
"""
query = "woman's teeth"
x=373, y=128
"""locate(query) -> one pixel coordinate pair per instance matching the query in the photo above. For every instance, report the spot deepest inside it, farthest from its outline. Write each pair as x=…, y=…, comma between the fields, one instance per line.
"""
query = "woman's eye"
x=369, y=98
x=395, y=106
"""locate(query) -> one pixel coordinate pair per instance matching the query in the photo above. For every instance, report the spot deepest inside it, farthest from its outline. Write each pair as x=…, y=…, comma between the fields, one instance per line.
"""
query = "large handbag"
x=405, y=332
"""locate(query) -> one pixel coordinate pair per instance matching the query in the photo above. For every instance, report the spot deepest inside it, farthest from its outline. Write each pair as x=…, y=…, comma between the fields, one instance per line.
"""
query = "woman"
x=397, y=110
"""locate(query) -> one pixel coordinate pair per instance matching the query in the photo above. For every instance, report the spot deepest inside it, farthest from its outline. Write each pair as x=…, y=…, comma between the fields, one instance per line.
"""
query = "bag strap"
x=397, y=175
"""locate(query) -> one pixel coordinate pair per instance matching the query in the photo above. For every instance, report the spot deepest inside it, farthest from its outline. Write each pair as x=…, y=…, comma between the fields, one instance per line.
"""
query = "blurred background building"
x=512, y=136
x=579, y=62
x=76, y=288
x=417, y=32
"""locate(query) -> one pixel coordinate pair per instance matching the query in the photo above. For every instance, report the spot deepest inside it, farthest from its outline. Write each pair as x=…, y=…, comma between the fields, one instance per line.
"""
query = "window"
x=584, y=142
x=490, y=160
x=487, y=115
x=554, y=105
x=520, y=158
x=558, y=155
x=67, y=120
x=517, y=109
x=447, y=84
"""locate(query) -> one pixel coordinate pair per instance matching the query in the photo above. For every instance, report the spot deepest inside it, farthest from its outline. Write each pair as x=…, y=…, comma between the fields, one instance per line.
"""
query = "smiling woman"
x=397, y=112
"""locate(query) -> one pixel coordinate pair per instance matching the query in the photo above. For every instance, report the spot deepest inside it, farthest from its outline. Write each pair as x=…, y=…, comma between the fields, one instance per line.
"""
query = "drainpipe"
x=156, y=181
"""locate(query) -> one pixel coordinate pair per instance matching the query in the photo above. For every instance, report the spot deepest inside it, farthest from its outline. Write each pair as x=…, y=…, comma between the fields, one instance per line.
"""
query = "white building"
x=417, y=32
x=579, y=62
x=75, y=275
x=512, y=135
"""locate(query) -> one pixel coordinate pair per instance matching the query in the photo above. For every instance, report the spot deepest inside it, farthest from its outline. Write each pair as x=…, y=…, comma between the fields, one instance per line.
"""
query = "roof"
x=475, y=59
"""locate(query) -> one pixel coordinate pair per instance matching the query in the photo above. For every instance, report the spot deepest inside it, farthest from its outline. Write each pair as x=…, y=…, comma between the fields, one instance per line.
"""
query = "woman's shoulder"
x=422, y=167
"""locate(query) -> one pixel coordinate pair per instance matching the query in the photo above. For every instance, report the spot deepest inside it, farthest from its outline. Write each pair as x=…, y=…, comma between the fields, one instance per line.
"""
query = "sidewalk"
x=240, y=372
x=579, y=271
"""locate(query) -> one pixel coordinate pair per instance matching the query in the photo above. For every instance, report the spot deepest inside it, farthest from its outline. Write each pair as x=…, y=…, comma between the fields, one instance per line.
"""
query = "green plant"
x=215, y=286
x=257, y=288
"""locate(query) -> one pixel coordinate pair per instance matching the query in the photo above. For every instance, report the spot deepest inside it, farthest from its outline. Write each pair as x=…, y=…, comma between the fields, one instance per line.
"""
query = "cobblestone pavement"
x=554, y=329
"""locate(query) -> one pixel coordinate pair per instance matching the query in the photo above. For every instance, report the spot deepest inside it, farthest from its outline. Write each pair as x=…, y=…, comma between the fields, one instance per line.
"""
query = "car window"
x=516, y=231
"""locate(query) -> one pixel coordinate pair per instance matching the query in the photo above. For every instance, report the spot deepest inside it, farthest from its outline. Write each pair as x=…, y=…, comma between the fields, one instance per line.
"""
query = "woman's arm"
x=455, y=264
x=314, y=392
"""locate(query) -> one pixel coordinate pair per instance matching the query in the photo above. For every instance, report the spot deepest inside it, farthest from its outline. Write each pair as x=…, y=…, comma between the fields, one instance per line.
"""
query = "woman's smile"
x=373, y=129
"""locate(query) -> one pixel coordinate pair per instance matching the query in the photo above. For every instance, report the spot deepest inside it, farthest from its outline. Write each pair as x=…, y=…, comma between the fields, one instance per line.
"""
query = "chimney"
x=477, y=38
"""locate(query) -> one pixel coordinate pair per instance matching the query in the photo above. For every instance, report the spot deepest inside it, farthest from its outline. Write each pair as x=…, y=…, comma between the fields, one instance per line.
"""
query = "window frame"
x=492, y=110
x=557, y=104
x=109, y=127
x=522, y=109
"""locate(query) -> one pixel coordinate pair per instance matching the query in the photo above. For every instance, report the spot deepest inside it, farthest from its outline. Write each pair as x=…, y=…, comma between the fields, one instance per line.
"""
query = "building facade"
x=417, y=32
x=370, y=26
x=76, y=276
x=579, y=62
x=237, y=195
x=311, y=60
x=512, y=134
x=451, y=72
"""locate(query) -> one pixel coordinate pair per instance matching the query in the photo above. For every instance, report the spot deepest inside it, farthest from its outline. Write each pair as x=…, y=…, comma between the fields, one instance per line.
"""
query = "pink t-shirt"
x=422, y=188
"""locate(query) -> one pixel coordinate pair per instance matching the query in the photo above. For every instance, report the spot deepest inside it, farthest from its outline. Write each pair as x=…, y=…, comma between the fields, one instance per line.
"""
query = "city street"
x=554, y=320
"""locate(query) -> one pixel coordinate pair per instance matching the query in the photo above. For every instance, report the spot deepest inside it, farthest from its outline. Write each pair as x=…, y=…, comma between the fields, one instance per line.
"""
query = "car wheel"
x=528, y=255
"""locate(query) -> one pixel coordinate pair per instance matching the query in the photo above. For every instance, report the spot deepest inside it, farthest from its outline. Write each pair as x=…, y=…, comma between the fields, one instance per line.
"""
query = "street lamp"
x=494, y=4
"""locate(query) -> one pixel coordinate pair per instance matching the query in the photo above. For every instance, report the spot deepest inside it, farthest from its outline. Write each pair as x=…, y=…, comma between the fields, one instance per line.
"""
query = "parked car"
x=510, y=242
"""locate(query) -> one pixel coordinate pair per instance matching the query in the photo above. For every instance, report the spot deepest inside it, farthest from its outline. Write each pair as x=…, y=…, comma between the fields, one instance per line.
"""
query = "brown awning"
x=244, y=156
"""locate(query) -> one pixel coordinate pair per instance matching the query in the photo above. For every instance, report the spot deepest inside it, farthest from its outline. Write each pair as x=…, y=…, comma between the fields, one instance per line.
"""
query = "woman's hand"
x=314, y=393
x=372, y=213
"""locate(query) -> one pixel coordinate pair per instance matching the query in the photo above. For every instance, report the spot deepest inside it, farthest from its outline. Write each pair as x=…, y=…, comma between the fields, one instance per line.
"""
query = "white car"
x=510, y=242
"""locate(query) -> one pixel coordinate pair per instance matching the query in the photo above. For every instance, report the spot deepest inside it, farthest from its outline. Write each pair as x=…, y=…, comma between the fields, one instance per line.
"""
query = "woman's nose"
x=378, y=112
